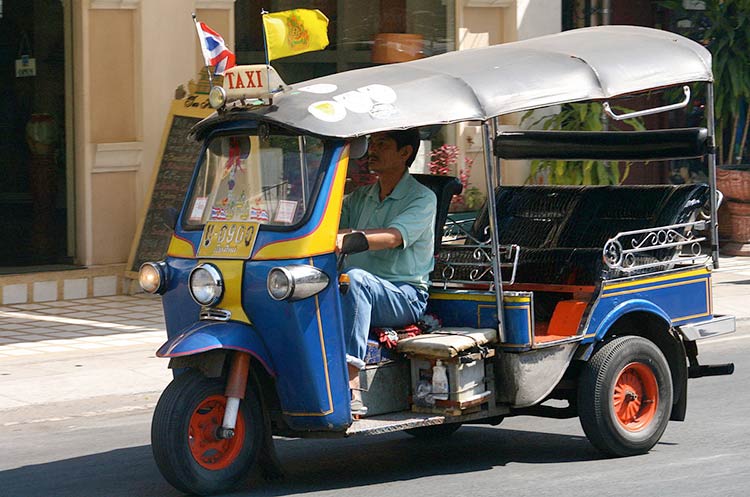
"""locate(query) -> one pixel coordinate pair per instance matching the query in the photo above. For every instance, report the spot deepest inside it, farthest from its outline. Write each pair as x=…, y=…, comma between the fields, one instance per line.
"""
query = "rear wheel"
x=184, y=438
x=625, y=396
x=434, y=432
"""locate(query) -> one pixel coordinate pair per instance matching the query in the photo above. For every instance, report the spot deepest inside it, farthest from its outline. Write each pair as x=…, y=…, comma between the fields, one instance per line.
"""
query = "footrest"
x=446, y=343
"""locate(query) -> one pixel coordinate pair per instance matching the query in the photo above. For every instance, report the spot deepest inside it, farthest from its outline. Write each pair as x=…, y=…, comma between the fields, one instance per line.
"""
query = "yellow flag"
x=292, y=32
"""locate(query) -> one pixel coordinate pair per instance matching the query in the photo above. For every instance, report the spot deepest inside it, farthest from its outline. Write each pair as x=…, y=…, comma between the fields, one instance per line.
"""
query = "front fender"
x=634, y=305
x=203, y=336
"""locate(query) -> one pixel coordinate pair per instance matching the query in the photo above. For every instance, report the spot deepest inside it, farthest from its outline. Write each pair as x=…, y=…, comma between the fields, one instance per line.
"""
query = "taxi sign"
x=256, y=81
x=228, y=240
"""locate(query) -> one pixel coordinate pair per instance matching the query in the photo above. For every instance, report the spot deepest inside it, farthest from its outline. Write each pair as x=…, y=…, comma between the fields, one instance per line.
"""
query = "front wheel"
x=184, y=438
x=625, y=396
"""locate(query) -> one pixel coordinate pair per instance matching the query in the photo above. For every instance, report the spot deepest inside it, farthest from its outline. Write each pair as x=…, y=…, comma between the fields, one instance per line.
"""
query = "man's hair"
x=406, y=137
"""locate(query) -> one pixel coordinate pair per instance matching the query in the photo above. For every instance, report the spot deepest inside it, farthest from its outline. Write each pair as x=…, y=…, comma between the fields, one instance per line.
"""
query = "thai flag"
x=215, y=51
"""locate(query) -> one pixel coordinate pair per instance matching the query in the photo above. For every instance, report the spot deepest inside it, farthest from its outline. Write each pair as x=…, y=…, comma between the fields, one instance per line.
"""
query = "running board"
x=397, y=421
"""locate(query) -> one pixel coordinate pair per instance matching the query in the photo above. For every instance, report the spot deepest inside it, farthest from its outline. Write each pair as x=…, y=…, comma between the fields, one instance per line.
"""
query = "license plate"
x=228, y=240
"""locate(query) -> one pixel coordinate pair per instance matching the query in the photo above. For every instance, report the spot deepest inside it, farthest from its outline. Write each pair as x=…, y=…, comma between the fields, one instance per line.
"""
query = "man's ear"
x=405, y=152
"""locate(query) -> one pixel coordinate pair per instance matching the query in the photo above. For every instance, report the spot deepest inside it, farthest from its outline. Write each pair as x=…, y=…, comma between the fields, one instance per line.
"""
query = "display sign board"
x=171, y=178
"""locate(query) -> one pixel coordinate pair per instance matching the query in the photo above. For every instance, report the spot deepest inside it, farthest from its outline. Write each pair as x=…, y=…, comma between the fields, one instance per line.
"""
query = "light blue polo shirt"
x=410, y=208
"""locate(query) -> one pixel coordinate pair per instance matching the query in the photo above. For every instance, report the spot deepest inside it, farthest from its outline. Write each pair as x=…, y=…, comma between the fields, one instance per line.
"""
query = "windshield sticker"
x=285, y=214
x=320, y=89
x=198, y=207
x=328, y=111
x=379, y=94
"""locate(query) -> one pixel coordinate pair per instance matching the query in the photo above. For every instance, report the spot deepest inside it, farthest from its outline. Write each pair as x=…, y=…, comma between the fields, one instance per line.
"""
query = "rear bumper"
x=717, y=326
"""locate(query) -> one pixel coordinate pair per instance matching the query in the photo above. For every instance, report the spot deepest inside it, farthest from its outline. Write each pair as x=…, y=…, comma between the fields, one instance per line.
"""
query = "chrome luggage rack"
x=459, y=262
x=662, y=247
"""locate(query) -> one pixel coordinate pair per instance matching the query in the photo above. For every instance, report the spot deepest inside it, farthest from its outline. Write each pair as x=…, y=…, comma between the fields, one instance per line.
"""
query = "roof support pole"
x=713, y=225
x=489, y=169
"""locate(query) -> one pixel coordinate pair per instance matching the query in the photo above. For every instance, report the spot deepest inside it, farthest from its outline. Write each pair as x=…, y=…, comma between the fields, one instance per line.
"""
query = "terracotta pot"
x=396, y=47
x=734, y=182
x=734, y=221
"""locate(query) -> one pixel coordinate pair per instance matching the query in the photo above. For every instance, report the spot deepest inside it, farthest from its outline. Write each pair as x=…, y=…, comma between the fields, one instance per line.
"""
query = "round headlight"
x=280, y=283
x=217, y=97
x=151, y=277
x=206, y=285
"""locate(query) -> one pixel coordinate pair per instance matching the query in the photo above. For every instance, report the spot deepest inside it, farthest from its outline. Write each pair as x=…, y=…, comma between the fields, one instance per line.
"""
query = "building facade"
x=87, y=86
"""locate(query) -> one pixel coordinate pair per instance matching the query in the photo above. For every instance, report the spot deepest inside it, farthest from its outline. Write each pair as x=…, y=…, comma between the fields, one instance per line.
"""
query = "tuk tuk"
x=591, y=296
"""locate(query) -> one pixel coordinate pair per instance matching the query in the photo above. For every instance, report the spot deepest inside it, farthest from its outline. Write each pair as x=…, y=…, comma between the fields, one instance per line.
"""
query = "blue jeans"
x=373, y=301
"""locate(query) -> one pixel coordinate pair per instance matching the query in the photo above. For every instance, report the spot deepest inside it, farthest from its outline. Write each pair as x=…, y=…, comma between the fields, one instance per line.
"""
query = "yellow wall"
x=113, y=219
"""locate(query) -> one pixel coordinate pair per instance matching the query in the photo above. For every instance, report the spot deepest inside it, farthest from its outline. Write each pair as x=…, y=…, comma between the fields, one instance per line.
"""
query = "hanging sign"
x=25, y=67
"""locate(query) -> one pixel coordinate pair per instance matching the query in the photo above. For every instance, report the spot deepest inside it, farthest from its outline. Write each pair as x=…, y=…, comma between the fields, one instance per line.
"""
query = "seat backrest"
x=529, y=216
x=444, y=187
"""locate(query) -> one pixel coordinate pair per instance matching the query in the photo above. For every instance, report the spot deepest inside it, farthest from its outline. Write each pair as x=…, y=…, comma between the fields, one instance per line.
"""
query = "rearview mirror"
x=354, y=243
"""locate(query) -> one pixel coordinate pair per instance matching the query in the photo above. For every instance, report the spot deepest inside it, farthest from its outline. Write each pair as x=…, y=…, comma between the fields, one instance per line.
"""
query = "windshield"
x=263, y=178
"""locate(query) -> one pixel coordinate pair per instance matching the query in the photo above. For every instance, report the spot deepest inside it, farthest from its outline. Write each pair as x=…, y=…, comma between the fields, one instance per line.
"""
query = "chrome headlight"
x=206, y=284
x=152, y=277
x=217, y=97
x=295, y=282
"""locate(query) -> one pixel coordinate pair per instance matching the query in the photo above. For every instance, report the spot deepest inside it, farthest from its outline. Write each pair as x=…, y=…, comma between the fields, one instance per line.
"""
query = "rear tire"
x=434, y=432
x=183, y=435
x=625, y=396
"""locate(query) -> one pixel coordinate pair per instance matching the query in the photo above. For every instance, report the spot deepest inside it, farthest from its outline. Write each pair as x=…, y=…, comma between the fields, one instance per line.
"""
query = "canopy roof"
x=479, y=84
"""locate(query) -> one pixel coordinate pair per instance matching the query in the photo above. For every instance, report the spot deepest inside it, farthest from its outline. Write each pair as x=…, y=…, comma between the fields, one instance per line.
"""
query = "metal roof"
x=479, y=84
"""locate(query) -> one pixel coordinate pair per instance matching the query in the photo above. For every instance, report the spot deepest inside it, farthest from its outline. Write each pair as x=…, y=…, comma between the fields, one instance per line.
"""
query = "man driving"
x=388, y=283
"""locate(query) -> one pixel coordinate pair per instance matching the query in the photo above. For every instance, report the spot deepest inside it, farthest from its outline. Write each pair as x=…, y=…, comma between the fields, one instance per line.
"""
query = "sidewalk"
x=65, y=351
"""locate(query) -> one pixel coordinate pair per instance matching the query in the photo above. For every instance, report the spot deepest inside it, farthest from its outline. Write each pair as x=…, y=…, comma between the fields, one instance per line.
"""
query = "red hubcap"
x=208, y=450
x=636, y=396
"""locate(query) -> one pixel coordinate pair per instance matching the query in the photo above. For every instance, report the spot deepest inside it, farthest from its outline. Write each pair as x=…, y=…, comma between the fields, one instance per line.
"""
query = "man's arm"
x=377, y=239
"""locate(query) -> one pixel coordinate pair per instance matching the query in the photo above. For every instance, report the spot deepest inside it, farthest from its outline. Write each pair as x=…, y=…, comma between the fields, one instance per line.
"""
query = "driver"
x=388, y=283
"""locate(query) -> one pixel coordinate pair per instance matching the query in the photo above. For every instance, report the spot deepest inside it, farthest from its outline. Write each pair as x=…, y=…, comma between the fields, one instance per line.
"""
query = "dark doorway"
x=33, y=162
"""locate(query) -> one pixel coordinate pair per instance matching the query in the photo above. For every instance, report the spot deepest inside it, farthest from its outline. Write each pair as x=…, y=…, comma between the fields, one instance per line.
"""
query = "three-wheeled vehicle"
x=591, y=296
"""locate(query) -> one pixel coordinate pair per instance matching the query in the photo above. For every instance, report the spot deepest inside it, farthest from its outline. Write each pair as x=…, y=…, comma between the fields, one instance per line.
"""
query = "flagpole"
x=200, y=41
x=265, y=39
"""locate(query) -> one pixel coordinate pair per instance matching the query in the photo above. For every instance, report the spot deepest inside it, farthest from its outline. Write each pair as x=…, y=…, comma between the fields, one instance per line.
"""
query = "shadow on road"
x=310, y=465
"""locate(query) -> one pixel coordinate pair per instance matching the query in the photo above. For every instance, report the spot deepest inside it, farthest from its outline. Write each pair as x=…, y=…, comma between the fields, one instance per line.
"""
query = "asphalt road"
x=97, y=451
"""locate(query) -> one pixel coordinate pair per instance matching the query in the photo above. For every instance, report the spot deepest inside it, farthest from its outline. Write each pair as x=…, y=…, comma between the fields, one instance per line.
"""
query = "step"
x=70, y=284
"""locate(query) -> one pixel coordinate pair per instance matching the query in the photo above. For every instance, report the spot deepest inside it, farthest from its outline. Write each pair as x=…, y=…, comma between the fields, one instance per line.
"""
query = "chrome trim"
x=489, y=170
x=215, y=274
x=710, y=125
x=304, y=281
x=161, y=268
x=678, y=236
x=647, y=112
x=479, y=259
x=719, y=325
x=212, y=314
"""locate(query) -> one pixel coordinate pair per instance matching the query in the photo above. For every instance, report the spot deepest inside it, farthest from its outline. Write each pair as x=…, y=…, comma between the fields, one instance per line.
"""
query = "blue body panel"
x=677, y=298
x=299, y=343
x=203, y=336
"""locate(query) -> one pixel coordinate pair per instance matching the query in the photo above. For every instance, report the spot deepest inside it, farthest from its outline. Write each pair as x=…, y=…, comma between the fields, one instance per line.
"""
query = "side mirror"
x=169, y=217
x=354, y=243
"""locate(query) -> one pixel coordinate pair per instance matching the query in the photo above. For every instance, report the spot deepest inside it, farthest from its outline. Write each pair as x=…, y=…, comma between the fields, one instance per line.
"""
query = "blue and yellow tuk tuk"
x=594, y=296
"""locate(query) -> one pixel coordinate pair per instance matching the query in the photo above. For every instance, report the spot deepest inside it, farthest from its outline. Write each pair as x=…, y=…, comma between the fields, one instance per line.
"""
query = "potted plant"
x=723, y=26
x=443, y=161
x=577, y=117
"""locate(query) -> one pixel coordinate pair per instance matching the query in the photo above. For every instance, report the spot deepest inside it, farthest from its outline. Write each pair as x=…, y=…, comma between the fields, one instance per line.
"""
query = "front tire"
x=625, y=396
x=183, y=435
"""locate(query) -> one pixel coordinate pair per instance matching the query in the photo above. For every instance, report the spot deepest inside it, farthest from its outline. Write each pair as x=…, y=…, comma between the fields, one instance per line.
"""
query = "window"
x=259, y=177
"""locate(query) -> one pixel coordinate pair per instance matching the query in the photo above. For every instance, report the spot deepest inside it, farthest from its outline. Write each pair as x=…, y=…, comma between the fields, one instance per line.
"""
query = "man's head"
x=392, y=149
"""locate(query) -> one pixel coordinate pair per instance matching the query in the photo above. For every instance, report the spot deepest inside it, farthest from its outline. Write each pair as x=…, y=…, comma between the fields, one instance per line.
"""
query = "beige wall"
x=129, y=57
x=113, y=80
x=113, y=219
